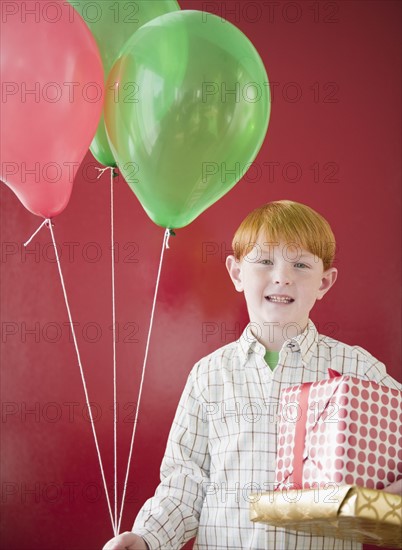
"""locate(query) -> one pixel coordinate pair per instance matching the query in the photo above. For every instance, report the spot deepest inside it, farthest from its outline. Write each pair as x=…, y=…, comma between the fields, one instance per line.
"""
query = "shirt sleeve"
x=376, y=371
x=170, y=518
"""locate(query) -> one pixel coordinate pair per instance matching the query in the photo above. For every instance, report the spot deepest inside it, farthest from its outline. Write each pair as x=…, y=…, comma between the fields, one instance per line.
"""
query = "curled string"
x=165, y=245
x=48, y=223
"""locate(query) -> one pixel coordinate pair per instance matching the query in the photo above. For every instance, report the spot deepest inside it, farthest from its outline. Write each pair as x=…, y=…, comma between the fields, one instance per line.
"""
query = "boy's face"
x=281, y=282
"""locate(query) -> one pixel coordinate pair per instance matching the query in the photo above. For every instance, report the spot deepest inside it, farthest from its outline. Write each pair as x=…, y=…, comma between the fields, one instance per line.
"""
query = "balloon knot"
x=172, y=233
x=115, y=174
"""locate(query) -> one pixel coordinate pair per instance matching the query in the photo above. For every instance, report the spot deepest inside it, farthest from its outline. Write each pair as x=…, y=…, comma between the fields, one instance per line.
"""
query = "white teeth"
x=280, y=299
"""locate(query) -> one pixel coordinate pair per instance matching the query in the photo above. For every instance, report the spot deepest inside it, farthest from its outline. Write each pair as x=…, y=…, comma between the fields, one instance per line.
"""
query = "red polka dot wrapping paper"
x=353, y=434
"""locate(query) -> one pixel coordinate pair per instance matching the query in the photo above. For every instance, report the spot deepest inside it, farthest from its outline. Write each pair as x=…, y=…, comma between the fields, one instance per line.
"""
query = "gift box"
x=343, y=430
x=347, y=512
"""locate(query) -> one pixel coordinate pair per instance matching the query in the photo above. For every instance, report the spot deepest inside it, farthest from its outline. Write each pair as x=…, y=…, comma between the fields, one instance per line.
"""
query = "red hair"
x=287, y=221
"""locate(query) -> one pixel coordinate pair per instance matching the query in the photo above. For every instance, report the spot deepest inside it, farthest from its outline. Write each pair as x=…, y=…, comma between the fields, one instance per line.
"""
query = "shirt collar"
x=304, y=342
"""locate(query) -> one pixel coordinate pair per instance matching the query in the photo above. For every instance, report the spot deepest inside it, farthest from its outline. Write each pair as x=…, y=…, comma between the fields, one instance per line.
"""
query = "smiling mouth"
x=278, y=299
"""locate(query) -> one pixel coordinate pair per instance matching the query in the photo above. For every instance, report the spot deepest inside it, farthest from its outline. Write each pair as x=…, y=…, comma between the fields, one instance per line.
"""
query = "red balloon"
x=52, y=96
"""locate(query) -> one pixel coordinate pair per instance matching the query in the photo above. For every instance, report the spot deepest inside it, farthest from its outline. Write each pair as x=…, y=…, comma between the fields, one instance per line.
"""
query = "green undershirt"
x=271, y=358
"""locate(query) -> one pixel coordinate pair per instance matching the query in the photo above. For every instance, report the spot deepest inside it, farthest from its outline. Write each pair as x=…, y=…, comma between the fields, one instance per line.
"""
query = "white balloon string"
x=49, y=224
x=114, y=351
x=37, y=231
x=165, y=245
x=103, y=170
x=112, y=248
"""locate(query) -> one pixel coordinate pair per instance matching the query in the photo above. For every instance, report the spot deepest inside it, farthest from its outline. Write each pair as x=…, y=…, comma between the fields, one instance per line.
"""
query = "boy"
x=222, y=444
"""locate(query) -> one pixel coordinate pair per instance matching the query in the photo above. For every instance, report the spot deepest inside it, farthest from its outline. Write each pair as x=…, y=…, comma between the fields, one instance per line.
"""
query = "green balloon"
x=112, y=23
x=186, y=112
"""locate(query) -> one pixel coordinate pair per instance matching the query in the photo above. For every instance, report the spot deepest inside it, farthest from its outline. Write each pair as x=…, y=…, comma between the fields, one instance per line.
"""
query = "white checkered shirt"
x=222, y=444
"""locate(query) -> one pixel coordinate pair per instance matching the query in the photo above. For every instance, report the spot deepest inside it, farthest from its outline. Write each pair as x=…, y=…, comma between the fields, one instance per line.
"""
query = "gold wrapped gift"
x=344, y=512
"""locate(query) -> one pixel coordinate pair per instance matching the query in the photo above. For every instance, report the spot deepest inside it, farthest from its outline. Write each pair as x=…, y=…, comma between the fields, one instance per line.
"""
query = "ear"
x=234, y=269
x=328, y=280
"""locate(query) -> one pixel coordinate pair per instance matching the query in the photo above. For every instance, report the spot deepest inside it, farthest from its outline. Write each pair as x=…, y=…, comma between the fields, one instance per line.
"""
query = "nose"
x=282, y=275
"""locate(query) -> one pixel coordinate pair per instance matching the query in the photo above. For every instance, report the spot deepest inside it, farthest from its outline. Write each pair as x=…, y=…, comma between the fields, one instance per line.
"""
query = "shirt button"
x=291, y=345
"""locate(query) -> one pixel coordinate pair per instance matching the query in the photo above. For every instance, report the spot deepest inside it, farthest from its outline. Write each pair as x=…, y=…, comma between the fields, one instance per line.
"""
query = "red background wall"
x=333, y=143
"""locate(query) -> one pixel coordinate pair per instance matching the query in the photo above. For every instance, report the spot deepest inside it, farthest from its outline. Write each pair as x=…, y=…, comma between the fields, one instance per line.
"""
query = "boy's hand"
x=395, y=487
x=126, y=541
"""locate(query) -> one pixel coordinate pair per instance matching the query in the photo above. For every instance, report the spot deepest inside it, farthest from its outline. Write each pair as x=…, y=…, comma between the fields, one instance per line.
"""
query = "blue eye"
x=266, y=262
x=302, y=265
